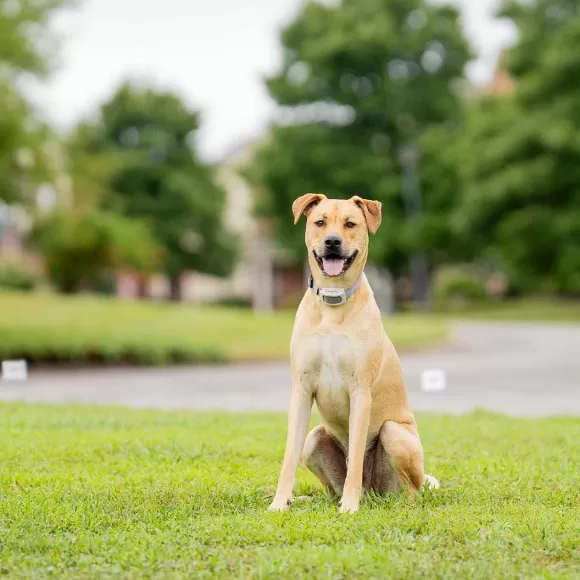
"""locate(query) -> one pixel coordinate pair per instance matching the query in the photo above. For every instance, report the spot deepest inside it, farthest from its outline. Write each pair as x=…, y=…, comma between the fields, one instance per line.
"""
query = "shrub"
x=456, y=288
x=80, y=248
x=233, y=302
x=14, y=277
x=45, y=346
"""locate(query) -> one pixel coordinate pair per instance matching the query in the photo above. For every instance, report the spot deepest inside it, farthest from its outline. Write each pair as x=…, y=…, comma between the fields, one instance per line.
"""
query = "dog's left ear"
x=372, y=212
x=305, y=203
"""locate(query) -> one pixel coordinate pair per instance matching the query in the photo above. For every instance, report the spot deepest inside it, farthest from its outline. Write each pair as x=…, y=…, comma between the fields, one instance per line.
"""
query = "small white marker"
x=14, y=370
x=433, y=381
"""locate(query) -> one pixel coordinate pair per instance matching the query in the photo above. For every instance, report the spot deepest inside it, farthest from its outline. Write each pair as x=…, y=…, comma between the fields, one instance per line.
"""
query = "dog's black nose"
x=332, y=242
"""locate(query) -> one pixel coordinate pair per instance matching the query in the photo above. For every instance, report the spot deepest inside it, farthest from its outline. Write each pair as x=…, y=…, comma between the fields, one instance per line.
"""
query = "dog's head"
x=337, y=233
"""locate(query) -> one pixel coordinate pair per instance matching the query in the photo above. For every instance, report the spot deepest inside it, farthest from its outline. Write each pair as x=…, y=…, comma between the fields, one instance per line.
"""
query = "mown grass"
x=115, y=493
x=47, y=328
x=528, y=310
x=53, y=329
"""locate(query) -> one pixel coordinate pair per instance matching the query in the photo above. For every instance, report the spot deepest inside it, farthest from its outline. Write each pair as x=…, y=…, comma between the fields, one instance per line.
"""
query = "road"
x=517, y=369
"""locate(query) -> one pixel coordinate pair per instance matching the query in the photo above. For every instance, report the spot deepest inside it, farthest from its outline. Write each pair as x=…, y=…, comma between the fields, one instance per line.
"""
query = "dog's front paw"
x=349, y=503
x=280, y=504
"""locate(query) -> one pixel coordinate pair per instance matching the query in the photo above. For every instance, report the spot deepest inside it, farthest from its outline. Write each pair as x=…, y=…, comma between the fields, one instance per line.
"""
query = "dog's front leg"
x=298, y=420
x=360, y=411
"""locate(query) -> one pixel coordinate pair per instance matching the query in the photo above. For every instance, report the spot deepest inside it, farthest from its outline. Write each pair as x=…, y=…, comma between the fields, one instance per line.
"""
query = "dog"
x=342, y=358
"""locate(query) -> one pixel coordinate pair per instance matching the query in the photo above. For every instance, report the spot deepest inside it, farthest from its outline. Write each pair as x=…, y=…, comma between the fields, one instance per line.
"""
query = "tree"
x=14, y=113
x=536, y=21
x=81, y=248
x=435, y=230
x=26, y=43
x=26, y=47
x=83, y=242
x=522, y=188
x=159, y=179
x=359, y=80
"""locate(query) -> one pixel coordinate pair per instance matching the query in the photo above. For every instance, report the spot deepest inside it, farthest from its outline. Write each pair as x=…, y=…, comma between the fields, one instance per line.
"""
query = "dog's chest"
x=327, y=362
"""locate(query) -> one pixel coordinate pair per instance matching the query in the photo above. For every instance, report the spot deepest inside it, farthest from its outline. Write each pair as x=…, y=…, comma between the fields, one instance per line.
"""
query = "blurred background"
x=150, y=153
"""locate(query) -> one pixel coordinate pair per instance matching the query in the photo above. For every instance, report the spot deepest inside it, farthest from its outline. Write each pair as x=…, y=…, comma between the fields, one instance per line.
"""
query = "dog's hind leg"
x=398, y=459
x=324, y=456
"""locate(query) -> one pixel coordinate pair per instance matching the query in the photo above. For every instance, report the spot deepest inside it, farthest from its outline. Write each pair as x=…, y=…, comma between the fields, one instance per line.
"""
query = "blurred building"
x=11, y=237
x=264, y=276
x=502, y=83
x=204, y=288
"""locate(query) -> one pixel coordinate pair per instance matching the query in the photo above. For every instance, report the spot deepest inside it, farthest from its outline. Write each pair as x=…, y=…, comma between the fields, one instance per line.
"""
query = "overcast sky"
x=212, y=52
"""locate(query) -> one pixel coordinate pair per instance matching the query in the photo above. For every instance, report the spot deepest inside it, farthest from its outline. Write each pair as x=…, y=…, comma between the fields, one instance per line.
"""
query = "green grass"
x=47, y=328
x=528, y=310
x=51, y=328
x=114, y=493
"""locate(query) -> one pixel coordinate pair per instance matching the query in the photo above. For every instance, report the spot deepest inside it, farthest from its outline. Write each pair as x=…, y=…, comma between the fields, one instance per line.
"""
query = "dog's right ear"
x=305, y=203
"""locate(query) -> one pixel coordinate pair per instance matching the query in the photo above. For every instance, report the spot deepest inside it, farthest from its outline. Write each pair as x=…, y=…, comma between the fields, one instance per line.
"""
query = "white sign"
x=14, y=370
x=433, y=381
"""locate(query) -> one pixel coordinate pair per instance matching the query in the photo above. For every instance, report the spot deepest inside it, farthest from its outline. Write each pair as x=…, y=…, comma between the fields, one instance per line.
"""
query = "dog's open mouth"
x=334, y=264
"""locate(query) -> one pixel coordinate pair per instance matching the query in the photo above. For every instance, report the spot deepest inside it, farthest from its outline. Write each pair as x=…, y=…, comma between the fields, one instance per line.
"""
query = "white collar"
x=334, y=296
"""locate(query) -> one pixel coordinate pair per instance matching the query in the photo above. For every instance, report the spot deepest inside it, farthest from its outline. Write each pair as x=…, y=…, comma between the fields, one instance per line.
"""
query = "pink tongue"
x=332, y=266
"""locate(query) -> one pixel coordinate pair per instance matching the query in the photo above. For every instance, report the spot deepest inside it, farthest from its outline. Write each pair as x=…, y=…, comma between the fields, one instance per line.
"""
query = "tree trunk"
x=142, y=286
x=262, y=281
x=175, y=288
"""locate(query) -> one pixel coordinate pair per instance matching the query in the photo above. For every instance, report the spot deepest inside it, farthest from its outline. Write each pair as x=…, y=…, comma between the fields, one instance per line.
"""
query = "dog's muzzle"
x=334, y=263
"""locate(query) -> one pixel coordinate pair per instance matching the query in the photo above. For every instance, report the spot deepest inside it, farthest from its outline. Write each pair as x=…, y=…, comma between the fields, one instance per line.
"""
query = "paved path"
x=518, y=369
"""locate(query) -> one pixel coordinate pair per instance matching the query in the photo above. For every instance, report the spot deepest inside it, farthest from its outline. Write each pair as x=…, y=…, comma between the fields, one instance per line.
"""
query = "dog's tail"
x=431, y=482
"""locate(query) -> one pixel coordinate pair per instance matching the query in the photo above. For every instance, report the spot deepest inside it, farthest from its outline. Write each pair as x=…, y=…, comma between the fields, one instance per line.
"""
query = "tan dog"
x=342, y=359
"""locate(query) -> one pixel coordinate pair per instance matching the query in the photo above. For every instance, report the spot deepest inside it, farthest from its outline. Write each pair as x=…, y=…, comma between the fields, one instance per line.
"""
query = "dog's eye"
x=319, y=223
x=350, y=224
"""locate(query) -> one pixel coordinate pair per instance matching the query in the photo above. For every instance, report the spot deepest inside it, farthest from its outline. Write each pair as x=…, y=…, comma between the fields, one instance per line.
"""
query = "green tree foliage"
x=435, y=230
x=80, y=249
x=26, y=47
x=82, y=241
x=360, y=79
x=521, y=156
x=158, y=178
x=14, y=113
x=26, y=44
x=536, y=20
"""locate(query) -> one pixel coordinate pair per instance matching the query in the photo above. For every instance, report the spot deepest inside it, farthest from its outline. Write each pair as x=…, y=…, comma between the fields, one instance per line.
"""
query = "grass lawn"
x=48, y=328
x=52, y=328
x=115, y=493
x=528, y=310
